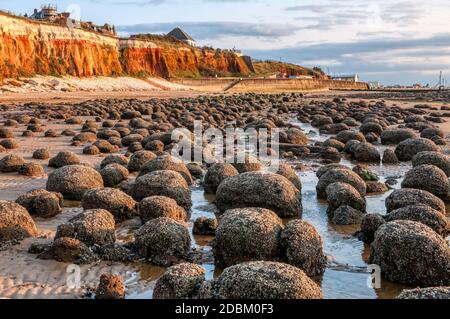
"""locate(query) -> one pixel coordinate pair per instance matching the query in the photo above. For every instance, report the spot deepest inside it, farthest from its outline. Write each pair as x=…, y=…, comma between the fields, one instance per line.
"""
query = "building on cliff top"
x=48, y=13
x=346, y=77
x=181, y=35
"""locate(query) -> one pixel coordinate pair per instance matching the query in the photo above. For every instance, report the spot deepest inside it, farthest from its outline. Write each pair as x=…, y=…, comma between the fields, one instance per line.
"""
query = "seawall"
x=270, y=85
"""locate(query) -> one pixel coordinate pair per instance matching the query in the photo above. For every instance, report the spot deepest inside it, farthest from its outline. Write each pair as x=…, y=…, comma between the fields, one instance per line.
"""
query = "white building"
x=346, y=77
x=179, y=34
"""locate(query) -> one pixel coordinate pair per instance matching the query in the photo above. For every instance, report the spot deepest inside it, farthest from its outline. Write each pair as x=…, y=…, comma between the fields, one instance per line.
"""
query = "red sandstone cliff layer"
x=175, y=62
x=28, y=48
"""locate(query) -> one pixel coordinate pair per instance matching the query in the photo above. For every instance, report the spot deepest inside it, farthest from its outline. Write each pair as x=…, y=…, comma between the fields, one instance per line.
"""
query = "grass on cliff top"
x=268, y=68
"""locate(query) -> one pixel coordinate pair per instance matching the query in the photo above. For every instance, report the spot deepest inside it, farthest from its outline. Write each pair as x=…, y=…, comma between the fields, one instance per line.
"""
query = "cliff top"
x=40, y=22
x=269, y=67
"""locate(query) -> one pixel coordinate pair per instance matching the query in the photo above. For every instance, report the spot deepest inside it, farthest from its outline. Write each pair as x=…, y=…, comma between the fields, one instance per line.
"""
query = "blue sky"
x=393, y=41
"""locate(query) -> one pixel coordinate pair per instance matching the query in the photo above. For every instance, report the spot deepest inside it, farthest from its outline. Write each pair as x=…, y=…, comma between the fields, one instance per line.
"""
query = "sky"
x=391, y=41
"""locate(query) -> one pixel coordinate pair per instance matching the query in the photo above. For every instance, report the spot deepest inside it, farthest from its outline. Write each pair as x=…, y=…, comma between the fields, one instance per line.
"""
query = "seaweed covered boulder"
x=216, y=174
x=261, y=280
x=64, y=159
x=205, y=226
x=163, y=241
x=138, y=159
x=110, y=287
x=246, y=234
x=426, y=293
x=288, y=172
x=11, y=163
x=348, y=135
x=429, y=178
x=68, y=250
x=160, y=206
x=408, y=196
x=114, y=174
x=31, y=170
x=411, y=253
x=163, y=183
x=396, y=136
x=167, y=162
x=41, y=203
x=423, y=214
x=92, y=227
x=73, y=181
x=369, y=225
x=340, y=175
x=15, y=222
x=302, y=247
x=343, y=194
x=258, y=189
x=119, y=204
x=180, y=281
x=366, y=152
x=433, y=158
x=407, y=149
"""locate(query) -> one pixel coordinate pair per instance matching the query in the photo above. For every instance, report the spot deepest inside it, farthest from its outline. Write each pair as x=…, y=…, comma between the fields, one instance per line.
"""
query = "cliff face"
x=143, y=57
x=28, y=48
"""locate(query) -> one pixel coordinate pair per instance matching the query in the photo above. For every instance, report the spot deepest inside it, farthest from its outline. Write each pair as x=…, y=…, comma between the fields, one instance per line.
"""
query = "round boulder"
x=396, y=136
x=216, y=174
x=11, y=163
x=138, y=159
x=366, y=152
x=411, y=253
x=407, y=149
x=261, y=280
x=41, y=154
x=162, y=183
x=247, y=234
x=68, y=250
x=423, y=214
x=114, y=174
x=389, y=157
x=111, y=287
x=205, y=226
x=41, y=203
x=408, y=197
x=433, y=158
x=301, y=245
x=114, y=159
x=64, y=159
x=429, y=178
x=288, y=172
x=343, y=194
x=15, y=222
x=258, y=189
x=181, y=281
x=169, y=163
x=92, y=227
x=31, y=170
x=369, y=225
x=119, y=204
x=163, y=241
x=340, y=175
x=160, y=206
x=73, y=181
